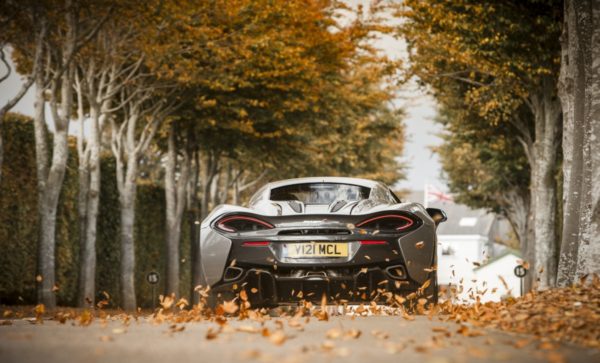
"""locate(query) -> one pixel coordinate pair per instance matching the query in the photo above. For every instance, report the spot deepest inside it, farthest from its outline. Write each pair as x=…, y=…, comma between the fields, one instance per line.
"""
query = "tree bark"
x=571, y=88
x=90, y=179
x=236, y=192
x=194, y=226
x=579, y=86
x=127, y=203
x=85, y=297
x=530, y=249
x=223, y=195
x=518, y=213
x=50, y=187
x=547, y=115
x=175, y=193
x=211, y=170
x=588, y=21
x=93, y=204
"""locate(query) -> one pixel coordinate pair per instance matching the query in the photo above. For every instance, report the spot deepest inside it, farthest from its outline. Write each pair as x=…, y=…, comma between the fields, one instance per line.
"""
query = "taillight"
x=242, y=224
x=388, y=222
x=256, y=244
x=371, y=243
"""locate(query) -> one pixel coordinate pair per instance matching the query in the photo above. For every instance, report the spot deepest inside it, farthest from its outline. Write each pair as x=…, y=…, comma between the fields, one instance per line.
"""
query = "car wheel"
x=432, y=291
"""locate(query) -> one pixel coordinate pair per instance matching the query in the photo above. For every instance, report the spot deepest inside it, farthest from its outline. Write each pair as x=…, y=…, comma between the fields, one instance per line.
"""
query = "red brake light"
x=256, y=244
x=373, y=242
x=387, y=222
x=242, y=224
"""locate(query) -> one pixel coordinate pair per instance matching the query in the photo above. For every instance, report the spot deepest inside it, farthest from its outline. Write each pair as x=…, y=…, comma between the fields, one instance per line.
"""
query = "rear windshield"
x=320, y=193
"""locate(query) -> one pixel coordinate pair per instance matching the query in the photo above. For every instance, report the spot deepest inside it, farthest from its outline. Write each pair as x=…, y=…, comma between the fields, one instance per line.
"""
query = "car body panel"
x=413, y=249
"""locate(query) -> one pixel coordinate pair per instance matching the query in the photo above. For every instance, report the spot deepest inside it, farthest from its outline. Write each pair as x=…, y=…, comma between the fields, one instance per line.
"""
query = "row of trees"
x=210, y=97
x=518, y=91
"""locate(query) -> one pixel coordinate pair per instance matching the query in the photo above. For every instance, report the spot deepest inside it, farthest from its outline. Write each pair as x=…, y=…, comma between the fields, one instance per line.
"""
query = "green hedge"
x=18, y=228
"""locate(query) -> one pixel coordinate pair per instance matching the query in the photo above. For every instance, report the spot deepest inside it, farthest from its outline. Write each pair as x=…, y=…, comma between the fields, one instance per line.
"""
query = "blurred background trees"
x=494, y=67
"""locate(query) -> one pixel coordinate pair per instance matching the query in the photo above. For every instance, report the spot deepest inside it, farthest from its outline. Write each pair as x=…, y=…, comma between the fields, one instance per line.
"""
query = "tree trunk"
x=213, y=196
x=547, y=129
x=127, y=145
x=173, y=229
x=571, y=89
x=2, y=114
x=91, y=196
x=45, y=265
x=588, y=22
x=127, y=202
x=88, y=268
x=50, y=179
x=579, y=86
x=194, y=226
x=211, y=170
x=236, y=192
x=84, y=297
x=224, y=194
x=517, y=213
x=48, y=203
x=175, y=193
x=529, y=255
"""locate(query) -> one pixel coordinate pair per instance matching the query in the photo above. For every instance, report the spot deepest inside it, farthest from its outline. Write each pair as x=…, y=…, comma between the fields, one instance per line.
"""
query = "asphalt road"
x=382, y=338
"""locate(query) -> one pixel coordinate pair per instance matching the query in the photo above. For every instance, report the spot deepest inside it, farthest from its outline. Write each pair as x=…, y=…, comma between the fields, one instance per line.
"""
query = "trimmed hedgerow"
x=18, y=228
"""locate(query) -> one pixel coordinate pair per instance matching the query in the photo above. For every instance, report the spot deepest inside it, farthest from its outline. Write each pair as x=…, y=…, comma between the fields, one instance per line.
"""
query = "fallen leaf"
x=333, y=333
x=212, y=334
x=248, y=329
x=278, y=337
x=352, y=334
x=380, y=334
x=229, y=307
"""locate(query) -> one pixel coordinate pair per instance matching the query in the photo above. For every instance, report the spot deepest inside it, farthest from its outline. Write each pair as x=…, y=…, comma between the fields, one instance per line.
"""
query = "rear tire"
x=211, y=300
x=432, y=291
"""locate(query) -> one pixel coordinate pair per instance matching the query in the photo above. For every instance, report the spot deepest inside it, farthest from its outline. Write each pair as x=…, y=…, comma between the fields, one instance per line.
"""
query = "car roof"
x=265, y=190
x=324, y=179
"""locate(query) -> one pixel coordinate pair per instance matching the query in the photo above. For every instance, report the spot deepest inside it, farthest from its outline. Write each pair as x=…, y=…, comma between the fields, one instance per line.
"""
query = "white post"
x=425, y=196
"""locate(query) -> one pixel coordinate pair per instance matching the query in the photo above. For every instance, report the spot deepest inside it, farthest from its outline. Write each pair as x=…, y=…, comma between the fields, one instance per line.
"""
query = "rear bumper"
x=266, y=287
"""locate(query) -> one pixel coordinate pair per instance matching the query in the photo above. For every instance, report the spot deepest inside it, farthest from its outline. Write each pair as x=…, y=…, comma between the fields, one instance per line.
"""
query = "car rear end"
x=347, y=258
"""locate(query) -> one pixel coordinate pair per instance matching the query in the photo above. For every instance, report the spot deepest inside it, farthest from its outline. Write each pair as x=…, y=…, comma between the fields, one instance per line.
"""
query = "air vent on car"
x=295, y=205
x=313, y=232
x=338, y=205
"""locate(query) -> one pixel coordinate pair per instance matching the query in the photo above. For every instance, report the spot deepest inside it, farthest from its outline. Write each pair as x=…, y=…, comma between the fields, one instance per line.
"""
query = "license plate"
x=317, y=249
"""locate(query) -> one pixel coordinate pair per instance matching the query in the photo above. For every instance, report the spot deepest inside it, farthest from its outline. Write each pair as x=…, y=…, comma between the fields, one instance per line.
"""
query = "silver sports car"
x=350, y=240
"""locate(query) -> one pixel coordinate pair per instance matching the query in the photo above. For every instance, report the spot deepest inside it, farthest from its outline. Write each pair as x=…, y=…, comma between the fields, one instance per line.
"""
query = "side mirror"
x=437, y=215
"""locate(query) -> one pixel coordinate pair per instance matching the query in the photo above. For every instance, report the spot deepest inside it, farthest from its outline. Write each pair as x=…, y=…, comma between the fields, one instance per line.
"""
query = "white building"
x=472, y=253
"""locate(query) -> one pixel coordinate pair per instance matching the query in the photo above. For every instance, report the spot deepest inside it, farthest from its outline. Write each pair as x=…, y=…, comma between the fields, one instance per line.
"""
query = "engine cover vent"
x=314, y=232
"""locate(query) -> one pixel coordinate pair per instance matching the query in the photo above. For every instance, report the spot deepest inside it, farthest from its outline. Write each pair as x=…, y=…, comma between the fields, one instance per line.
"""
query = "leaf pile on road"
x=557, y=315
x=570, y=314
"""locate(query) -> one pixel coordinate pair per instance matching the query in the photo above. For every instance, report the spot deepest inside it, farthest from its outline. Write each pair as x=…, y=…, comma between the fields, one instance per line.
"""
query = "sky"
x=421, y=164
x=421, y=130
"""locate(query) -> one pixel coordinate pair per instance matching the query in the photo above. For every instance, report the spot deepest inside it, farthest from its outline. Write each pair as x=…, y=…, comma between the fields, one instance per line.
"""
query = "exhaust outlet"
x=232, y=273
x=397, y=272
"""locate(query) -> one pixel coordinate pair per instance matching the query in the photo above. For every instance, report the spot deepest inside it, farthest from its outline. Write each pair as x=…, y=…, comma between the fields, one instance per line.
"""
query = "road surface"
x=341, y=339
